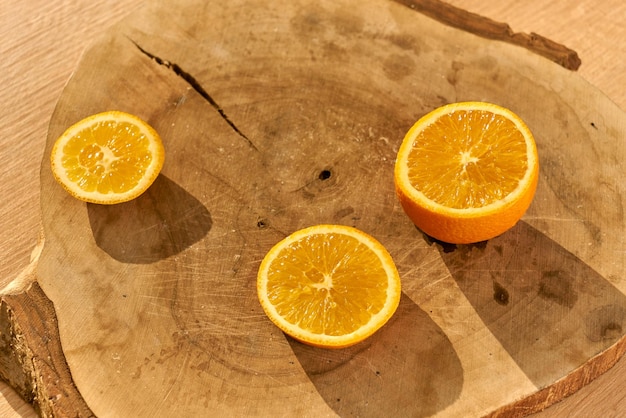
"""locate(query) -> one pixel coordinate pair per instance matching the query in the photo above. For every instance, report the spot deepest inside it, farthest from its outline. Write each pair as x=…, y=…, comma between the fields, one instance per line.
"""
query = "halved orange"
x=467, y=172
x=329, y=286
x=107, y=158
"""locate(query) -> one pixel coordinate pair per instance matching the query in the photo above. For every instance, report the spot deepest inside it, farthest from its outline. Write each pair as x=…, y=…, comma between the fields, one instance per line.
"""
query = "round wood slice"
x=277, y=115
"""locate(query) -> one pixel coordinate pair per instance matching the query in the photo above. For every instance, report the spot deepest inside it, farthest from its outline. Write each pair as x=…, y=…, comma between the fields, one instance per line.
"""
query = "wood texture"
x=167, y=187
x=33, y=359
x=480, y=25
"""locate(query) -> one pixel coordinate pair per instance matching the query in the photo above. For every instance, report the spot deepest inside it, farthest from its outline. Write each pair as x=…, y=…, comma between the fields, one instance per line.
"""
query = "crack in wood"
x=197, y=87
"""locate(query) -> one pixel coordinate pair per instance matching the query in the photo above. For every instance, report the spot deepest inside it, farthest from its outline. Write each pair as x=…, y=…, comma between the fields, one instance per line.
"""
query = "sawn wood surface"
x=289, y=115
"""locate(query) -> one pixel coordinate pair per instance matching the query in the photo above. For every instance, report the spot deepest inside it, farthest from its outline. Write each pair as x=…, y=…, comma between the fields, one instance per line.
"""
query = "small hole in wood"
x=324, y=175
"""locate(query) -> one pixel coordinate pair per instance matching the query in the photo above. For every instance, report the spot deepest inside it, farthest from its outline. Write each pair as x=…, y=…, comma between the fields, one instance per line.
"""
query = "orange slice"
x=329, y=285
x=107, y=158
x=467, y=172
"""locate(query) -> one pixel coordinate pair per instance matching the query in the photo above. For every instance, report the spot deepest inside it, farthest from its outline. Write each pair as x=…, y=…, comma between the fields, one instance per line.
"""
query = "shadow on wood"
x=409, y=367
x=548, y=309
x=160, y=223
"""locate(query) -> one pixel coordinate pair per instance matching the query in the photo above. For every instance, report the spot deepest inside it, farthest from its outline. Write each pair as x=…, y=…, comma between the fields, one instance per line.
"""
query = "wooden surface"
x=156, y=296
x=596, y=42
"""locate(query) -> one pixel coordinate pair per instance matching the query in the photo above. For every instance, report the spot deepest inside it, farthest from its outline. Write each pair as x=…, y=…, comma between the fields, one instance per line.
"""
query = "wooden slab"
x=278, y=115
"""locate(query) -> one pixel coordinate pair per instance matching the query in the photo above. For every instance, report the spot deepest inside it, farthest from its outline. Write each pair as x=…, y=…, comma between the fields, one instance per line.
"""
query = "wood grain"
x=42, y=42
x=491, y=29
x=601, y=64
x=293, y=104
x=36, y=365
x=596, y=32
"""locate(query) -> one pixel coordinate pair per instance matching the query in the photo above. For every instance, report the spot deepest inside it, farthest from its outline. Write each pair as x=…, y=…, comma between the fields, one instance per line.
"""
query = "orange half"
x=467, y=172
x=329, y=285
x=107, y=158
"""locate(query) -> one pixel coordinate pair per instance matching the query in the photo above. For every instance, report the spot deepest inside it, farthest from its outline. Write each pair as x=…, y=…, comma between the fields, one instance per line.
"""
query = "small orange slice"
x=107, y=158
x=467, y=172
x=328, y=285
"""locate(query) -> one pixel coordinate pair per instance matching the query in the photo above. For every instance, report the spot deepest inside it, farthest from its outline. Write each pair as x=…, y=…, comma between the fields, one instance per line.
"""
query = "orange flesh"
x=96, y=160
x=490, y=159
x=328, y=284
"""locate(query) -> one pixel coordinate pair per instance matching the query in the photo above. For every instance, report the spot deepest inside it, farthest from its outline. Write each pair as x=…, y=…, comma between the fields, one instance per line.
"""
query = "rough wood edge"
x=490, y=29
x=565, y=387
x=31, y=357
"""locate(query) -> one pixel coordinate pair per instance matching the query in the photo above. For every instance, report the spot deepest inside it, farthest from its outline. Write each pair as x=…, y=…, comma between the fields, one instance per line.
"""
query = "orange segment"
x=467, y=172
x=107, y=158
x=329, y=285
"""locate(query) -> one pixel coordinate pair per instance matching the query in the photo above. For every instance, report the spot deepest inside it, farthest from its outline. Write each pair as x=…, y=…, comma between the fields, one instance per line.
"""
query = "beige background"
x=42, y=41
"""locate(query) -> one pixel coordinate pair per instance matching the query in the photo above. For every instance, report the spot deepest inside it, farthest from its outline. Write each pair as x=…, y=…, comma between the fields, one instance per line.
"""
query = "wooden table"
x=42, y=42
